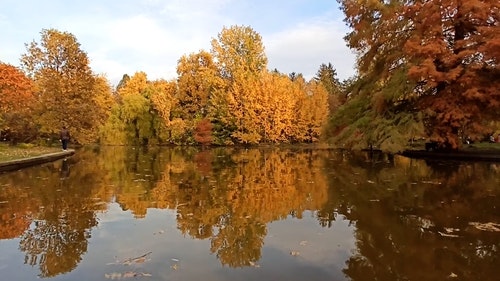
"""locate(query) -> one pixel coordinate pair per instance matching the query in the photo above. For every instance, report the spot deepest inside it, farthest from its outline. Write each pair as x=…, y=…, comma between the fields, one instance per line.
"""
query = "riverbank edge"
x=17, y=164
x=480, y=155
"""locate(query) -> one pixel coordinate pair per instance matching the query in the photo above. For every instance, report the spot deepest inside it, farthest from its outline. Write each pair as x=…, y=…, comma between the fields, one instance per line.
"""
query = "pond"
x=125, y=213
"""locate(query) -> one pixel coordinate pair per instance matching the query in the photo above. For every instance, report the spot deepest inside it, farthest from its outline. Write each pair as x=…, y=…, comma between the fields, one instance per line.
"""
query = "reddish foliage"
x=454, y=52
x=16, y=104
x=203, y=132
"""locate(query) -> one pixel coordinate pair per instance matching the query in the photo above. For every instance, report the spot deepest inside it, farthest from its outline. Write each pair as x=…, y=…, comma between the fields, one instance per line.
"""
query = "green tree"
x=123, y=81
x=131, y=119
x=327, y=76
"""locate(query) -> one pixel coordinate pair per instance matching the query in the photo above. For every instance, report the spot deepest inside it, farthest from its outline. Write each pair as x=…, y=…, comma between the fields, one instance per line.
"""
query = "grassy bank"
x=482, y=146
x=8, y=152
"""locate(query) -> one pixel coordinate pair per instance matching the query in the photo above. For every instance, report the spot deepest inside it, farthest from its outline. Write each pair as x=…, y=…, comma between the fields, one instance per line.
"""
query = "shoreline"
x=479, y=155
x=17, y=164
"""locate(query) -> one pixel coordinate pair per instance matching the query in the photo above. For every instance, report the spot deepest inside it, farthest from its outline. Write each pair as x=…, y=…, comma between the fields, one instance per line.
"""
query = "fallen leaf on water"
x=294, y=253
x=159, y=232
x=450, y=230
x=489, y=226
x=447, y=235
x=129, y=261
x=138, y=260
x=113, y=276
x=174, y=266
x=128, y=274
x=432, y=182
x=254, y=264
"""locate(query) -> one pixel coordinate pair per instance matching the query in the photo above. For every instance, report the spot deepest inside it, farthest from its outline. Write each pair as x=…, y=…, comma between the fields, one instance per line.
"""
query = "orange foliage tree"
x=448, y=50
x=453, y=55
x=65, y=85
x=17, y=100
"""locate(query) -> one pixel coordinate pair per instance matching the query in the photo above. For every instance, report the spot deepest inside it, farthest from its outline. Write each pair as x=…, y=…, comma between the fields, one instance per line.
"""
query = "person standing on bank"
x=64, y=138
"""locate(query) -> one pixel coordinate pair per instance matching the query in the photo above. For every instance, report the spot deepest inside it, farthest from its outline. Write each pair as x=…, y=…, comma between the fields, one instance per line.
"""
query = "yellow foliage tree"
x=135, y=85
x=65, y=84
x=241, y=60
x=278, y=107
x=103, y=99
x=198, y=78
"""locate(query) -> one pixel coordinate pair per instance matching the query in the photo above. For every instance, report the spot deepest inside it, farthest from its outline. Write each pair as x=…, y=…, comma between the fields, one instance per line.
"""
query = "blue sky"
x=126, y=36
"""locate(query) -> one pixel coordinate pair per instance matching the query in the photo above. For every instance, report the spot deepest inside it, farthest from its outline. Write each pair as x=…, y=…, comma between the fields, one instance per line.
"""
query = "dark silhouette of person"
x=64, y=136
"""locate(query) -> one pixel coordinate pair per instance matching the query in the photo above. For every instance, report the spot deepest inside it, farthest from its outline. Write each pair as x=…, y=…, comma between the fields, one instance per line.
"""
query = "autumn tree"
x=142, y=115
x=17, y=103
x=203, y=132
x=64, y=83
x=103, y=98
x=423, y=62
x=239, y=51
x=130, y=122
x=198, y=77
x=240, y=57
x=163, y=95
x=317, y=107
x=380, y=102
x=278, y=112
x=453, y=55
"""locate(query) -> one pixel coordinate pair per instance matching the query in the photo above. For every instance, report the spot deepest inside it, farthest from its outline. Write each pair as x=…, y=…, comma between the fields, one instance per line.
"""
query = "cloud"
x=151, y=35
x=302, y=49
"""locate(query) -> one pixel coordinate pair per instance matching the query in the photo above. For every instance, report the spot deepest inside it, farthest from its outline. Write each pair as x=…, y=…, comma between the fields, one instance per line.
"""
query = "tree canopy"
x=426, y=68
x=17, y=104
x=65, y=85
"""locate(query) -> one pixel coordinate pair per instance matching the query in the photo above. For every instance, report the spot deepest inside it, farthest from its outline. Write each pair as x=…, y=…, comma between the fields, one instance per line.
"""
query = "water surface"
x=123, y=213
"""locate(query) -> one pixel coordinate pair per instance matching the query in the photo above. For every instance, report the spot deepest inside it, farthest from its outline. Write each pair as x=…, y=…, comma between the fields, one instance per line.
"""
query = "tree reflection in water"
x=61, y=215
x=413, y=221
x=409, y=215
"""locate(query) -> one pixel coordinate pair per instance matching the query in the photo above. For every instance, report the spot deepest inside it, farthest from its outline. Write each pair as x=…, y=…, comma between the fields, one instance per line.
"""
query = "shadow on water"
x=381, y=217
